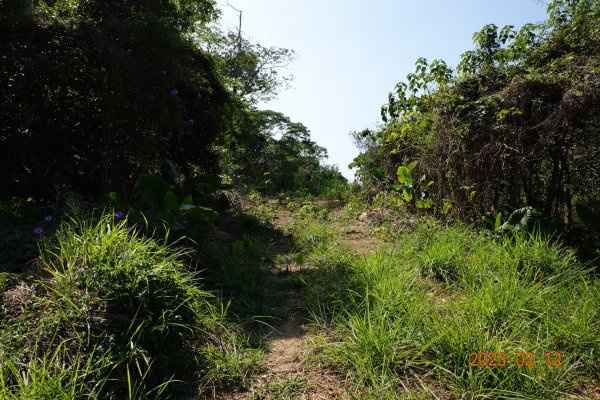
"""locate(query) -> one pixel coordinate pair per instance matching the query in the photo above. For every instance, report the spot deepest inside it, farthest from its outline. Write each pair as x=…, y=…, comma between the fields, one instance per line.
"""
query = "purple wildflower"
x=48, y=218
x=118, y=214
x=163, y=72
x=174, y=92
x=191, y=121
x=38, y=230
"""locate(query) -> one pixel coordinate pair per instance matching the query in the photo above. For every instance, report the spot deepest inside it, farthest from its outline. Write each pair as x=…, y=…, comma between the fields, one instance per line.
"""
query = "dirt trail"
x=286, y=363
x=287, y=374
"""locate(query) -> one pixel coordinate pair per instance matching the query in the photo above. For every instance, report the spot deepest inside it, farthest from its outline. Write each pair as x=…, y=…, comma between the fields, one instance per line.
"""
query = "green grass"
x=111, y=313
x=405, y=320
x=114, y=314
x=289, y=389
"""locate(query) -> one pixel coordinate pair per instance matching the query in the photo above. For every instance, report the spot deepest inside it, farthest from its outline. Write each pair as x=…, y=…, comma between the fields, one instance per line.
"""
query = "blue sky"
x=350, y=54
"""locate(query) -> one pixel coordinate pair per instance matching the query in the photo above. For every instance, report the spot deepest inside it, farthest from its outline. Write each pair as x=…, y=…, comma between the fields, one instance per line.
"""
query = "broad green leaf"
x=172, y=168
x=498, y=222
x=187, y=200
x=198, y=213
x=407, y=195
x=522, y=219
x=405, y=176
x=170, y=203
x=153, y=189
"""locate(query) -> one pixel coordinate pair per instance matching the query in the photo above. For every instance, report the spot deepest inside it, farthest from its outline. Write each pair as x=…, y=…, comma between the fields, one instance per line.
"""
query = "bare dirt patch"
x=287, y=371
x=289, y=351
x=355, y=234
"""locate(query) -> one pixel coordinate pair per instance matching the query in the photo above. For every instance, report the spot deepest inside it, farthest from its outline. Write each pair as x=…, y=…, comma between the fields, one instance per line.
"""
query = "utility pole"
x=239, y=27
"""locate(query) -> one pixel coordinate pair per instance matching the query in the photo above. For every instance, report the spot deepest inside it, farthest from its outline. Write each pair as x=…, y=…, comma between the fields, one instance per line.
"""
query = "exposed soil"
x=357, y=238
x=289, y=349
x=291, y=342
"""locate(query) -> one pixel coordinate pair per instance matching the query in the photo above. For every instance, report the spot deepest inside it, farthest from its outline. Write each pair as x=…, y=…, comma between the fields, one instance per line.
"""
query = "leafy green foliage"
x=154, y=191
x=263, y=149
x=409, y=189
x=165, y=205
x=266, y=150
x=492, y=224
x=251, y=71
x=131, y=90
x=514, y=126
x=96, y=93
x=523, y=219
x=405, y=176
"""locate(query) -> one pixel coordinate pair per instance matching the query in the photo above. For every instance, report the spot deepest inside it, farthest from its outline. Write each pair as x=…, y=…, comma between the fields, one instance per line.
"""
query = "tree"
x=261, y=148
x=94, y=93
x=250, y=70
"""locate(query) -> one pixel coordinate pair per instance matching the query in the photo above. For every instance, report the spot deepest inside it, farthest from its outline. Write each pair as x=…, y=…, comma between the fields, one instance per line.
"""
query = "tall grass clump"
x=113, y=314
x=522, y=293
x=412, y=314
x=382, y=322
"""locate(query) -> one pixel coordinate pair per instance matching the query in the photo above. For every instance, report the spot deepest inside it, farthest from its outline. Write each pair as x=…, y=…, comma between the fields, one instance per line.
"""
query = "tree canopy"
x=96, y=93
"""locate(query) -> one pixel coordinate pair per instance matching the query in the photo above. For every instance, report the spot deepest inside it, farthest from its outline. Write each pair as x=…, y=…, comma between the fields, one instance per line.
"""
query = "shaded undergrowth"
x=111, y=313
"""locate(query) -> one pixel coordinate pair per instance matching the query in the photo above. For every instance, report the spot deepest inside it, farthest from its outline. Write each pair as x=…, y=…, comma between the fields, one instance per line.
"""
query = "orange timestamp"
x=521, y=359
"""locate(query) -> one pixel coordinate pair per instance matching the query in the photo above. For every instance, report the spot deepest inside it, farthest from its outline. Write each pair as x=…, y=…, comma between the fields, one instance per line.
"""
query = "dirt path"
x=287, y=373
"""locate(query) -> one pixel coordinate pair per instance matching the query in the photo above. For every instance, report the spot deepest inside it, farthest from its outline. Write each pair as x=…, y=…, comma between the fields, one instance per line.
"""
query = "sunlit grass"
x=409, y=316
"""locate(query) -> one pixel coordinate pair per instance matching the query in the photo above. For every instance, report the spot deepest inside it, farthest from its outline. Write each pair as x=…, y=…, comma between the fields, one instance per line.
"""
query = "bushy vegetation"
x=121, y=88
x=150, y=109
x=266, y=151
x=95, y=94
x=514, y=125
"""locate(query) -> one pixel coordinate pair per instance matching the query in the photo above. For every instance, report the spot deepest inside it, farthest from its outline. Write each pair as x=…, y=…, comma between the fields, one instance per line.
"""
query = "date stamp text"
x=520, y=359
